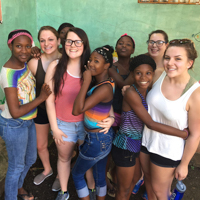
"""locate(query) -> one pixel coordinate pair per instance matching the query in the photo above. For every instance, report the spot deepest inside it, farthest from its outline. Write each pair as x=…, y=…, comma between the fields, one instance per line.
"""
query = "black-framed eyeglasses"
x=158, y=43
x=78, y=43
x=180, y=41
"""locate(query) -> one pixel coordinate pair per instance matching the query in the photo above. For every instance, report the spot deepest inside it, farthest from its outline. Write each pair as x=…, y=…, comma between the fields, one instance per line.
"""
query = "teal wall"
x=17, y=14
x=104, y=21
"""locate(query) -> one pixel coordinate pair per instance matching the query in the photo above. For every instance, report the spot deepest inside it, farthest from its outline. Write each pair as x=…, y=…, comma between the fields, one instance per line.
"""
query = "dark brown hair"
x=61, y=67
x=161, y=32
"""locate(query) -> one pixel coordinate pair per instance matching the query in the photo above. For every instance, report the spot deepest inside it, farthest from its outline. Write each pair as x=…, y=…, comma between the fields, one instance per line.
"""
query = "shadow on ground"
x=44, y=192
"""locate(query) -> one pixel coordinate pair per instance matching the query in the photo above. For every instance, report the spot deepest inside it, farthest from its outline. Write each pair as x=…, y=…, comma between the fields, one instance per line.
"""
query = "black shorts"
x=160, y=160
x=123, y=158
x=42, y=117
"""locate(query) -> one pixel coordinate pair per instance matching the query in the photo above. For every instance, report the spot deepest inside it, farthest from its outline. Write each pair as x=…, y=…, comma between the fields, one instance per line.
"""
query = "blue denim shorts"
x=74, y=130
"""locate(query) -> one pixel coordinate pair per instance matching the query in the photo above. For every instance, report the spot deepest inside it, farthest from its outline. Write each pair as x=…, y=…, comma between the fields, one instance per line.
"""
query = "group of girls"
x=74, y=82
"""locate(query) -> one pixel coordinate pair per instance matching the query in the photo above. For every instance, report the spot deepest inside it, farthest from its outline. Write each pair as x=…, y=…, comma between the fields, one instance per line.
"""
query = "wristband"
x=186, y=130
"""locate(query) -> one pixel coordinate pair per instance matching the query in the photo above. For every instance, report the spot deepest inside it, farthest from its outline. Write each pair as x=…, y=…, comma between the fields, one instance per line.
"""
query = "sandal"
x=26, y=196
x=111, y=192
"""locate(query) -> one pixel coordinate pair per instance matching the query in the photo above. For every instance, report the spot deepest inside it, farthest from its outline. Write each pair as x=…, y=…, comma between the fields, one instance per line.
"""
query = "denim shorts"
x=160, y=160
x=74, y=130
x=123, y=158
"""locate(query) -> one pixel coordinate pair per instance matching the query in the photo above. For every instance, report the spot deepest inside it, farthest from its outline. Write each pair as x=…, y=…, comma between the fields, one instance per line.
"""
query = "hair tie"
x=125, y=34
x=16, y=33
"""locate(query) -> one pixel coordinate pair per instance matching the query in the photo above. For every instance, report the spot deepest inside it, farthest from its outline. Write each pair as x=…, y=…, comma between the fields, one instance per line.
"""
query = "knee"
x=123, y=192
x=159, y=192
x=41, y=147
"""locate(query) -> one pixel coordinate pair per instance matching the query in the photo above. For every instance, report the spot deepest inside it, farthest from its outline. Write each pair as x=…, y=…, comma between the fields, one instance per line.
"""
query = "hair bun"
x=110, y=48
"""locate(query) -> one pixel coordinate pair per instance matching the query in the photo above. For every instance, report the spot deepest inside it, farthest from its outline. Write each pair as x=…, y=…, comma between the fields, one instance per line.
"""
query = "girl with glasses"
x=65, y=80
x=173, y=100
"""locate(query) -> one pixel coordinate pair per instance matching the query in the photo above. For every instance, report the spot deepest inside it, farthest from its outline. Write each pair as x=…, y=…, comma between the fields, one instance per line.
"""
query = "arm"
x=101, y=94
x=120, y=82
x=193, y=140
x=108, y=122
x=134, y=101
x=32, y=65
x=50, y=105
x=17, y=110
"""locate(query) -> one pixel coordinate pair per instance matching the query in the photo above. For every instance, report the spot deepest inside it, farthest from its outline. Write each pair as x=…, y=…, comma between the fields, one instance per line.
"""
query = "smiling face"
x=21, y=48
x=176, y=61
x=153, y=50
x=124, y=47
x=97, y=64
x=73, y=51
x=143, y=76
x=48, y=42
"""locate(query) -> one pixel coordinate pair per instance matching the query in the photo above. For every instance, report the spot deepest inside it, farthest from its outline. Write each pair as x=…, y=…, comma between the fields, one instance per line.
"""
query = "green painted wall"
x=17, y=14
x=104, y=21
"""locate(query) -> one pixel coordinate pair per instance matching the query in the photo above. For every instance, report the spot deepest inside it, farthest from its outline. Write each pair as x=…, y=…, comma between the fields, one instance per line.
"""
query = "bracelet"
x=112, y=116
x=186, y=130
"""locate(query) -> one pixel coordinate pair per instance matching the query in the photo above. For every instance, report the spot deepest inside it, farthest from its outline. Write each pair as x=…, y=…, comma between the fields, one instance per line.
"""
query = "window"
x=170, y=1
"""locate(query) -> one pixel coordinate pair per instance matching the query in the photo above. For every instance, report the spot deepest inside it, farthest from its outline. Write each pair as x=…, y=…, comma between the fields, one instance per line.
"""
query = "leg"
x=17, y=144
x=99, y=171
x=145, y=163
x=81, y=166
x=124, y=181
x=64, y=161
x=161, y=181
x=31, y=153
x=42, y=131
x=136, y=177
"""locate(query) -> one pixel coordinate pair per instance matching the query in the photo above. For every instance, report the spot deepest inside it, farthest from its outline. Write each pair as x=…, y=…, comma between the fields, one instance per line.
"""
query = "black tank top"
x=39, y=76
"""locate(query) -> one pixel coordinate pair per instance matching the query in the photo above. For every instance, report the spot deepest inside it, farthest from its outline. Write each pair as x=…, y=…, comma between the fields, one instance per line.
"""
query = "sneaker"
x=62, y=196
x=41, y=177
x=92, y=194
x=137, y=186
x=56, y=185
x=144, y=196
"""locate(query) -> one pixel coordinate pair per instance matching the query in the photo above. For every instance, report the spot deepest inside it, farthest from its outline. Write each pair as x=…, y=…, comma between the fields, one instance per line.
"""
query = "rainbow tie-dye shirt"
x=100, y=111
x=24, y=81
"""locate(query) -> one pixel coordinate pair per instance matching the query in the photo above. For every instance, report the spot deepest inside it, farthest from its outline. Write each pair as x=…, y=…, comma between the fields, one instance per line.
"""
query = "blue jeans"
x=93, y=154
x=20, y=139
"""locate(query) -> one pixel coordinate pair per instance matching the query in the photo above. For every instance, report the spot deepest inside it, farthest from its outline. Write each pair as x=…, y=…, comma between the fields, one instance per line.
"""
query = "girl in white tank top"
x=174, y=101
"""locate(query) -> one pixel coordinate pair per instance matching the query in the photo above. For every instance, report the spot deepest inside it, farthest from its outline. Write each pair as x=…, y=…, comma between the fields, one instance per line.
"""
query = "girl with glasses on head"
x=49, y=42
x=65, y=79
x=173, y=100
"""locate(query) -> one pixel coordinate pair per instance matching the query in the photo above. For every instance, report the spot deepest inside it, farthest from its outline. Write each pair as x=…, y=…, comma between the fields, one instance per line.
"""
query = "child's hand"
x=35, y=52
x=125, y=88
x=106, y=124
x=87, y=75
x=45, y=92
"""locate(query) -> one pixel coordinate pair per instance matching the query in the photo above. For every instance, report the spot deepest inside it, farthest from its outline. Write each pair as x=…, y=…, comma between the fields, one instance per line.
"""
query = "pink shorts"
x=117, y=119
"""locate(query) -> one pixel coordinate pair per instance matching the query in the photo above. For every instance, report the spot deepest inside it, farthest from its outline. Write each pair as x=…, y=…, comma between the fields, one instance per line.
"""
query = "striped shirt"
x=100, y=111
x=130, y=133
